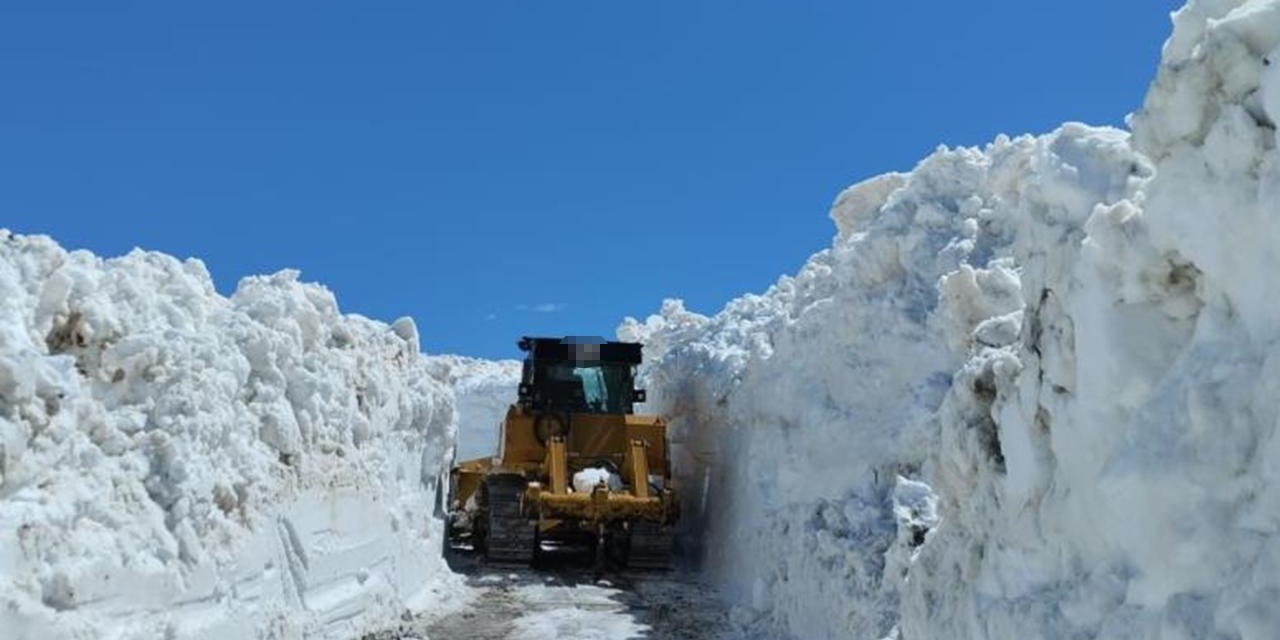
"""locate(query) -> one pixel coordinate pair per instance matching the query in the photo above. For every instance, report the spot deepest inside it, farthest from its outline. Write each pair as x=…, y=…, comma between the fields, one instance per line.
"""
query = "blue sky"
x=503, y=168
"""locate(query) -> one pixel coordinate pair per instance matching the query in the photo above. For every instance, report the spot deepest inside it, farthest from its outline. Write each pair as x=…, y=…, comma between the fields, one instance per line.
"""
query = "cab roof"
x=580, y=349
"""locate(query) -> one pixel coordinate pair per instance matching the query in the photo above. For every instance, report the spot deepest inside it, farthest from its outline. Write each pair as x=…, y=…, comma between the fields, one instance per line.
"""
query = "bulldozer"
x=575, y=465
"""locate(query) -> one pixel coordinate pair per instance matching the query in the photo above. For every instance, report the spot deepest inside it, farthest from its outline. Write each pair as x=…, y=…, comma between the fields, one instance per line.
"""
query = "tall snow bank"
x=1030, y=391
x=174, y=463
x=483, y=390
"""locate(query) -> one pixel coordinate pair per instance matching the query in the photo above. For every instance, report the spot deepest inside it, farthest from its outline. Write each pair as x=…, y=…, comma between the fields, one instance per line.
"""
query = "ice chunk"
x=406, y=328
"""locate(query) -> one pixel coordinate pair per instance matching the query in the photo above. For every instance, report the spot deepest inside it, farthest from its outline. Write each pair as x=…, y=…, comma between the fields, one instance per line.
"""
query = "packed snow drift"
x=1031, y=390
x=174, y=463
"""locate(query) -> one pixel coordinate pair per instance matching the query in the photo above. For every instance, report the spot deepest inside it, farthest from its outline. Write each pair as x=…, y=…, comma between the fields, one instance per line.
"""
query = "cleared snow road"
x=569, y=604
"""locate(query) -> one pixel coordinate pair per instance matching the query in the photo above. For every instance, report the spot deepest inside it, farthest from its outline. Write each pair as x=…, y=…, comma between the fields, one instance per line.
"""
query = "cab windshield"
x=595, y=387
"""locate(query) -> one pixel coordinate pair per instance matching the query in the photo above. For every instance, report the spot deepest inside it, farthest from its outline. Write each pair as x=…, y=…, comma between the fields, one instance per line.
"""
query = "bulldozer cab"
x=579, y=375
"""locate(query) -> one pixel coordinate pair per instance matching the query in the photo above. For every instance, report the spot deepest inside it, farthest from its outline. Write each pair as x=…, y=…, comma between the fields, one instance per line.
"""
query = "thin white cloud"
x=542, y=307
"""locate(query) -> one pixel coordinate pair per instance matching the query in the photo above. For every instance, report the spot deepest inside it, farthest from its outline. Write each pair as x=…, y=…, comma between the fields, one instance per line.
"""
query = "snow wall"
x=1031, y=390
x=483, y=391
x=174, y=463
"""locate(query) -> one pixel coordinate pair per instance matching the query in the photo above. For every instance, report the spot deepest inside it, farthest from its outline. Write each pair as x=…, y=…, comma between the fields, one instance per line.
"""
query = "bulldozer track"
x=509, y=536
x=651, y=547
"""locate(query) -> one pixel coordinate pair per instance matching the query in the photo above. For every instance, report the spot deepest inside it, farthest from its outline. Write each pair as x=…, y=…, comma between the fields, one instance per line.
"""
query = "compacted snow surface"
x=174, y=463
x=1031, y=390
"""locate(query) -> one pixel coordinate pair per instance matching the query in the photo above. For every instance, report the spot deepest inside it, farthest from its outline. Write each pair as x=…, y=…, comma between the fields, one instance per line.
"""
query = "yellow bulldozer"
x=574, y=464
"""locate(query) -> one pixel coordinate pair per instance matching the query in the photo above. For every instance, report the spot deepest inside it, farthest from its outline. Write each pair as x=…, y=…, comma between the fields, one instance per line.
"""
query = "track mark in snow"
x=296, y=559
